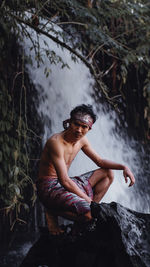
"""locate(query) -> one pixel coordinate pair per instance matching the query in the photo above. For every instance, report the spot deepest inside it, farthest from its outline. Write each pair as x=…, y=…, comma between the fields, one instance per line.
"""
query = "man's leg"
x=101, y=180
x=52, y=220
x=75, y=217
x=52, y=223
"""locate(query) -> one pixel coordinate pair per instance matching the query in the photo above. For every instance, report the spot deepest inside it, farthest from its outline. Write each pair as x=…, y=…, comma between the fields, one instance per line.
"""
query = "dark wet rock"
x=117, y=237
x=129, y=230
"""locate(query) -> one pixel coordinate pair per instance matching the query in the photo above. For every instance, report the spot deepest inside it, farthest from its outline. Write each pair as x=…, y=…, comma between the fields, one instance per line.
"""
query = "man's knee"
x=110, y=175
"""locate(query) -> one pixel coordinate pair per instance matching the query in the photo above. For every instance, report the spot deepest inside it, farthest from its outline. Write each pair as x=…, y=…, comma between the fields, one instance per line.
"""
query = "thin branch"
x=49, y=20
x=110, y=54
x=15, y=221
x=38, y=11
x=72, y=22
x=3, y=3
x=97, y=50
x=34, y=159
x=27, y=33
x=108, y=70
x=129, y=31
x=116, y=96
x=56, y=40
x=90, y=53
x=17, y=74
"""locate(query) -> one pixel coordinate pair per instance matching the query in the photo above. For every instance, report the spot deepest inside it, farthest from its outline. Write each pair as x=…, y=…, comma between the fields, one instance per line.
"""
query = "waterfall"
x=61, y=91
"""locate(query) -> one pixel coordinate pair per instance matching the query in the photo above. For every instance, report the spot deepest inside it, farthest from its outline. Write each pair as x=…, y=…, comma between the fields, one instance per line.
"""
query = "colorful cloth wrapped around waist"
x=55, y=197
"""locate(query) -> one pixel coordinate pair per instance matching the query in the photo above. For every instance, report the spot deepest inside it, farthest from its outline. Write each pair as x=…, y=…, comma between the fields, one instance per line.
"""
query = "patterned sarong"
x=55, y=197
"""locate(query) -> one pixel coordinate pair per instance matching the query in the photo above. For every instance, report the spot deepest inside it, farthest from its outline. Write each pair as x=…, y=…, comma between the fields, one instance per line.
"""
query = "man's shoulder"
x=54, y=140
x=84, y=140
x=53, y=137
x=54, y=146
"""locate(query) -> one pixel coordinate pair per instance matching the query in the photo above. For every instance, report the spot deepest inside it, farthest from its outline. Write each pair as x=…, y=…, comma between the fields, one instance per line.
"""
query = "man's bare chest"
x=70, y=153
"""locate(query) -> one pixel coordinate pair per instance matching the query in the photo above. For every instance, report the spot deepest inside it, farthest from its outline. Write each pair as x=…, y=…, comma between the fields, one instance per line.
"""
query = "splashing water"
x=62, y=91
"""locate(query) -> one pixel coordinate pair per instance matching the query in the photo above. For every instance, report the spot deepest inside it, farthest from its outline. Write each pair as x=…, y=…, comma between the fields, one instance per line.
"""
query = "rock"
x=129, y=229
x=118, y=237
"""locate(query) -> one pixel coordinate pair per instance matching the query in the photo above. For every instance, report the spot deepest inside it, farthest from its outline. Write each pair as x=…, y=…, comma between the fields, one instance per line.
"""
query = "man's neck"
x=67, y=136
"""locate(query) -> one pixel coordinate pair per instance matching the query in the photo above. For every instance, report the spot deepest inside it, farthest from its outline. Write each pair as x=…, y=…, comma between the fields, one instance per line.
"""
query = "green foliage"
x=14, y=161
x=114, y=36
x=118, y=28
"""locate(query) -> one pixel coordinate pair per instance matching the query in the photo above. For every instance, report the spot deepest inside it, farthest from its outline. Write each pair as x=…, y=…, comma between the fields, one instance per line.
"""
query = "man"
x=66, y=196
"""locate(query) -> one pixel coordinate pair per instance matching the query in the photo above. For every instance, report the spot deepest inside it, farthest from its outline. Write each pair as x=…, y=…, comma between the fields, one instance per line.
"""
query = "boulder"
x=117, y=237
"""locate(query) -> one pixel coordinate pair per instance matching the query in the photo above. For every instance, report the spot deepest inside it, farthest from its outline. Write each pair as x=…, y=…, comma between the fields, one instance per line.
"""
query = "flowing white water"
x=58, y=94
x=62, y=91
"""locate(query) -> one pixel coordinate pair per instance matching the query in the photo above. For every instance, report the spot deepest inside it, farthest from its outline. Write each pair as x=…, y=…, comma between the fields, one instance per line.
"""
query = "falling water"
x=61, y=91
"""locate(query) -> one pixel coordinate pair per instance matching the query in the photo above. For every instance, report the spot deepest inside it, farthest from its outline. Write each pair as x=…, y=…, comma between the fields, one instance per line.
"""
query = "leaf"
x=17, y=190
x=2, y=126
x=16, y=171
x=2, y=178
x=4, y=110
x=16, y=155
x=8, y=125
x=1, y=156
x=5, y=165
x=26, y=207
x=7, y=149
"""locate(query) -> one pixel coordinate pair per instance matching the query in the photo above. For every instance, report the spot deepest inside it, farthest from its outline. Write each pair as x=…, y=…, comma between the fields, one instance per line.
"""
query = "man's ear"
x=65, y=124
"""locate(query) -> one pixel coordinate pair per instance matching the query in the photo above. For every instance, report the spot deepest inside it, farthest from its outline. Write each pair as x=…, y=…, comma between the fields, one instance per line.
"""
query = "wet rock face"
x=118, y=237
x=130, y=232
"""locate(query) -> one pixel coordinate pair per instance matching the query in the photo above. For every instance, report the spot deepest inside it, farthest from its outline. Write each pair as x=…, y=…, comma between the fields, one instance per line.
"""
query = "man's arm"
x=57, y=158
x=107, y=164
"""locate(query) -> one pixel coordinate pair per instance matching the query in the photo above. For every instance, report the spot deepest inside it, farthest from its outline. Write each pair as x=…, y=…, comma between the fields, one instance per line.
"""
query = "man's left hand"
x=127, y=173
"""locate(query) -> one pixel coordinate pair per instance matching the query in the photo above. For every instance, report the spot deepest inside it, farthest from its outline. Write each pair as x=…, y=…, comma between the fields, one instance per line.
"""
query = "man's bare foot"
x=52, y=223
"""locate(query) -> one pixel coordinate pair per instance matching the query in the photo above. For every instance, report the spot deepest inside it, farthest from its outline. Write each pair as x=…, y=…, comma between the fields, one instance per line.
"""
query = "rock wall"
x=118, y=237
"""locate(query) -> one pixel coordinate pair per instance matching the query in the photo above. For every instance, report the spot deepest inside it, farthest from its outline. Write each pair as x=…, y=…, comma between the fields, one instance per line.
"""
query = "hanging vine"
x=112, y=39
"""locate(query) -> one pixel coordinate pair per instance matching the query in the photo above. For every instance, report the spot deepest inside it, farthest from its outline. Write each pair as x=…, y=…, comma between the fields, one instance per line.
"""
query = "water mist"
x=61, y=91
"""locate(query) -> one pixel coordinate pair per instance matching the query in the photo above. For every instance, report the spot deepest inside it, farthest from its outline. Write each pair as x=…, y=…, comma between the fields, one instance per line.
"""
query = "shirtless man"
x=66, y=196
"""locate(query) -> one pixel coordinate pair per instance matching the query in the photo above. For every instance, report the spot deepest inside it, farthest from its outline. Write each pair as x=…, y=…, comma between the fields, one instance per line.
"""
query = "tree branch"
x=71, y=22
x=62, y=44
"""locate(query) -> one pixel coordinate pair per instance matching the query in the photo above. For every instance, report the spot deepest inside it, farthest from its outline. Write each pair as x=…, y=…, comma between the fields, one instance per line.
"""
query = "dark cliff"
x=118, y=237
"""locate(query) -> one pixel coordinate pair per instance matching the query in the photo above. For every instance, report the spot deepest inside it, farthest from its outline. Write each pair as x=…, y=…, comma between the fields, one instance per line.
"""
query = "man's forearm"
x=108, y=164
x=71, y=186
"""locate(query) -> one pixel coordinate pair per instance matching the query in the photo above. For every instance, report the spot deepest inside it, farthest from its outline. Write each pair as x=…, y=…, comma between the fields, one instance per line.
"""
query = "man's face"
x=78, y=128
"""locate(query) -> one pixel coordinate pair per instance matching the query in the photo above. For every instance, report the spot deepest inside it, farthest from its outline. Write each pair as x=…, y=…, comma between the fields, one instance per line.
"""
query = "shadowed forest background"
x=112, y=38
